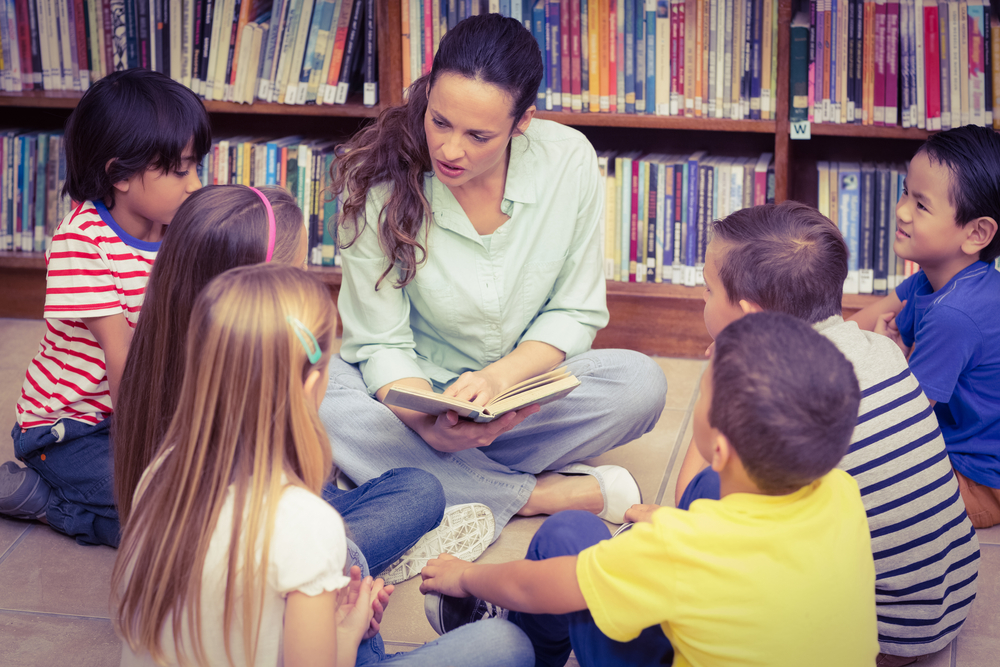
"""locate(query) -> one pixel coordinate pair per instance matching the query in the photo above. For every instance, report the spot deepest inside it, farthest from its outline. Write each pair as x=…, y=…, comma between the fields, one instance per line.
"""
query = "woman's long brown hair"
x=393, y=151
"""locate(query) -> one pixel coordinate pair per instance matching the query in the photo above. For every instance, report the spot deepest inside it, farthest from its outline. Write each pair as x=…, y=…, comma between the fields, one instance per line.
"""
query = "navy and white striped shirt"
x=926, y=551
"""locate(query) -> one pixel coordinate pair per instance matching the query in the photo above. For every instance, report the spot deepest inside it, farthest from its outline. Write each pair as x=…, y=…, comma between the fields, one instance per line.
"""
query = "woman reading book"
x=472, y=254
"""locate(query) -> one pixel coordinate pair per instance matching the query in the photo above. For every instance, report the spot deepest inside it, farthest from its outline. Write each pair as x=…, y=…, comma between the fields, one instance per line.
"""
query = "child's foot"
x=23, y=493
x=464, y=532
x=446, y=613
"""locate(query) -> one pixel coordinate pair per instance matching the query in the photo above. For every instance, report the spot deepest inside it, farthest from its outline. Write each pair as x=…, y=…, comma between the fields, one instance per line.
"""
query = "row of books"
x=659, y=208
x=699, y=58
x=285, y=51
x=930, y=64
x=861, y=198
x=32, y=175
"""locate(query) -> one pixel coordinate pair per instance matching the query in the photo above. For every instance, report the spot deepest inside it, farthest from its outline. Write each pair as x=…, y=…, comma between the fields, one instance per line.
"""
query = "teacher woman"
x=472, y=256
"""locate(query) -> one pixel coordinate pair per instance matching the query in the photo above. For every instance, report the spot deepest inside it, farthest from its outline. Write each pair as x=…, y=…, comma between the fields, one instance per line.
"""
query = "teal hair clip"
x=313, y=354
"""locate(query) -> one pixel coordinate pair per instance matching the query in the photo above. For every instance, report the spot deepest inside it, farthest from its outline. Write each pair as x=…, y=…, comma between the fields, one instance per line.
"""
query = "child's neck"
x=138, y=227
x=734, y=479
x=939, y=276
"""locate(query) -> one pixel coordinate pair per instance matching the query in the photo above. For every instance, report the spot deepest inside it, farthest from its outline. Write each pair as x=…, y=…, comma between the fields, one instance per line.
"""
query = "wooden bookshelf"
x=660, y=319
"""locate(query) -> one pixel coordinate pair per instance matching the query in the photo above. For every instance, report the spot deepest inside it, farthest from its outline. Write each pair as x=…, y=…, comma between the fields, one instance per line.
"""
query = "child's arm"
x=536, y=587
x=868, y=316
x=114, y=335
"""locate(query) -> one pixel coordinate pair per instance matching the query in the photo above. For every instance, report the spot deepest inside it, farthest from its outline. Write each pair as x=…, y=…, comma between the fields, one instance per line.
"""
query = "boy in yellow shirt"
x=778, y=572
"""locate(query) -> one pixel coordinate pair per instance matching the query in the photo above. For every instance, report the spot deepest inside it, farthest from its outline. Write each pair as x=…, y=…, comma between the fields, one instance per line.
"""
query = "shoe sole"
x=465, y=532
x=432, y=610
x=22, y=497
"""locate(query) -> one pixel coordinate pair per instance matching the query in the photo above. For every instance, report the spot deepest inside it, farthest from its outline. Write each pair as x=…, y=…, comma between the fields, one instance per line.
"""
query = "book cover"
x=977, y=73
x=798, y=109
x=866, y=231
x=641, y=213
x=756, y=55
x=553, y=49
x=661, y=89
x=963, y=64
x=990, y=63
x=691, y=187
x=944, y=53
x=715, y=58
x=640, y=57
x=565, y=59
x=932, y=70
x=629, y=55
x=370, y=90
x=848, y=215
x=995, y=58
x=574, y=54
x=538, y=31
x=352, y=51
x=650, y=56
x=584, y=41
x=633, y=221
x=593, y=61
x=882, y=241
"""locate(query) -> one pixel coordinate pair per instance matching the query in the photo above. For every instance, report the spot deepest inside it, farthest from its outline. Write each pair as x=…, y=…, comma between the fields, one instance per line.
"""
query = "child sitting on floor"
x=779, y=572
x=946, y=317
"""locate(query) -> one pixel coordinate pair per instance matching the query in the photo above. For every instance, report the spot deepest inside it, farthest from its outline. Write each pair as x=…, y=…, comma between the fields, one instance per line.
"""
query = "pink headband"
x=270, y=225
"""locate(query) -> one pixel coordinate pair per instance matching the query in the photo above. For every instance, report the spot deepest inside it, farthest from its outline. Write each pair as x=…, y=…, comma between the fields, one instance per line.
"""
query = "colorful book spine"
x=848, y=199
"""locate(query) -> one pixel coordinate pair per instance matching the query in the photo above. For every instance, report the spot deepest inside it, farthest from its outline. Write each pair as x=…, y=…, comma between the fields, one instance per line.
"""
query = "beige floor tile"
x=940, y=659
x=10, y=531
x=979, y=641
x=667, y=498
x=682, y=379
x=49, y=572
x=989, y=535
x=44, y=640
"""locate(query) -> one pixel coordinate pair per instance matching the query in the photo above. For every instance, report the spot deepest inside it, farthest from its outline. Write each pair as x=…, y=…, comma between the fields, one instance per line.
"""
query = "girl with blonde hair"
x=229, y=555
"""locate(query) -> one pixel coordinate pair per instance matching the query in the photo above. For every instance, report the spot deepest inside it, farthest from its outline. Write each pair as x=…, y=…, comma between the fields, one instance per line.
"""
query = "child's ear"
x=979, y=234
x=120, y=186
x=722, y=451
x=749, y=307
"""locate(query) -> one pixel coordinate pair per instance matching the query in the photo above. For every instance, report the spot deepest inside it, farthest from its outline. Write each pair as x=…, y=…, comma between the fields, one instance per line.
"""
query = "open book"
x=539, y=389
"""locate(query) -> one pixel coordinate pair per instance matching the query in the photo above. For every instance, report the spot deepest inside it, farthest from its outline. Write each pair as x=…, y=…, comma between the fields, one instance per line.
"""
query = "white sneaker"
x=619, y=488
x=464, y=532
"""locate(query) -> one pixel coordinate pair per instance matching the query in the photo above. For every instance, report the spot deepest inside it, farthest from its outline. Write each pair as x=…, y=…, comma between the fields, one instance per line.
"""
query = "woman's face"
x=468, y=125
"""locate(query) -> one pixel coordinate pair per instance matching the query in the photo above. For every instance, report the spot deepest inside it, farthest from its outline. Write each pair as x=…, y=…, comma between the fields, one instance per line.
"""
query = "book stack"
x=861, y=198
x=659, y=210
x=696, y=58
x=929, y=64
x=32, y=175
x=285, y=51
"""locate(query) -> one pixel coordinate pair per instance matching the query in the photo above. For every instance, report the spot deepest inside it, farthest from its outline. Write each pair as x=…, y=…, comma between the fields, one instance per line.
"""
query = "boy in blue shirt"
x=946, y=317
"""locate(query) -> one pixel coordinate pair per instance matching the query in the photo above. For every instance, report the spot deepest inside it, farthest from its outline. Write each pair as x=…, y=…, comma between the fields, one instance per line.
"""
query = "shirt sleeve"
x=948, y=341
x=377, y=333
x=578, y=307
x=309, y=547
x=79, y=282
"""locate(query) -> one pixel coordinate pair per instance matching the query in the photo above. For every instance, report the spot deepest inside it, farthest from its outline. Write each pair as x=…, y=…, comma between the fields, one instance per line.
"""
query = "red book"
x=880, y=50
x=566, y=60
x=892, y=63
x=681, y=29
x=574, y=49
x=81, y=43
x=613, y=57
x=24, y=44
x=932, y=68
x=676, y=54
x=633, y=250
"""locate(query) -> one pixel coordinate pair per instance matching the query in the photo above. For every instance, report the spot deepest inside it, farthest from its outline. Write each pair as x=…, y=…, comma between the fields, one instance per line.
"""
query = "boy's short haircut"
x=787, y=258
x=135, y=119
x=972, y=155
x=786, y=399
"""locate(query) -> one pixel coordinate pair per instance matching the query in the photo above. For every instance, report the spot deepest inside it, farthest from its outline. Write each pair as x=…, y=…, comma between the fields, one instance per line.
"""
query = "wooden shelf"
x=22, y=260
x=658, y=122
x=868, y=131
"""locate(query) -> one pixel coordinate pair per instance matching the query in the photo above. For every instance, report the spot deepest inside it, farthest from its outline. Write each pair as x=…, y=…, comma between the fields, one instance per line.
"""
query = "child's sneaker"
x=23, y=493
x=446, y=613
x=464, y=532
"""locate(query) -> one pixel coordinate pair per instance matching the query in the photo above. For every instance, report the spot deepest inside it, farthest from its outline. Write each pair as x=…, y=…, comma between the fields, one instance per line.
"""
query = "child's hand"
x=886, y=326
x=355, y=609
x=443, y=575
x=380, y=600
x=638, y=513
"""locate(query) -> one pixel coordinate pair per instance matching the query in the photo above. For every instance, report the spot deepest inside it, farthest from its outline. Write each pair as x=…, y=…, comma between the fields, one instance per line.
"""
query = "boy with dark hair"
x=946, y=317
x=778, y=573
x=133, y=147
x=791, y=259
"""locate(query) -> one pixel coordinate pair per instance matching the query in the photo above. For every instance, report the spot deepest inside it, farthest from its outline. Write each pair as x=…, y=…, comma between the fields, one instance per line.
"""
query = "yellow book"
x=594, y=48
x=604, y=39
x=699, y=48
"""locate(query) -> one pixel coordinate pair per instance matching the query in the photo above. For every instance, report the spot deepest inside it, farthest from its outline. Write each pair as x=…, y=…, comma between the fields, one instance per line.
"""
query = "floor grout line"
x=53, y=614
x=679, y=442
x=954, y=652
x=13, y=546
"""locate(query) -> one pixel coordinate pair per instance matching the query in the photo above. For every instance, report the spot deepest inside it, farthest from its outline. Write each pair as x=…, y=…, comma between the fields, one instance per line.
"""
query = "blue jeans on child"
x=703, y=485
x=620, y=397
x=75, y=459
x=553, y=635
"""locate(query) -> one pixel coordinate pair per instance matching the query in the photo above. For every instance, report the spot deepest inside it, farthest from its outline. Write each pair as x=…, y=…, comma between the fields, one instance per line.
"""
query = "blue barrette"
x=313, y=354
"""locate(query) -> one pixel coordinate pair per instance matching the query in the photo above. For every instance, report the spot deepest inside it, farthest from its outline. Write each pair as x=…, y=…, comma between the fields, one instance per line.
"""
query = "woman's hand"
x=477, y=387
x=449, y=433
x=443, y=575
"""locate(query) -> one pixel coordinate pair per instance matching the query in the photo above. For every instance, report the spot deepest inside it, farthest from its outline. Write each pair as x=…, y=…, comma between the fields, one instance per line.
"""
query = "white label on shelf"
x=800, y=130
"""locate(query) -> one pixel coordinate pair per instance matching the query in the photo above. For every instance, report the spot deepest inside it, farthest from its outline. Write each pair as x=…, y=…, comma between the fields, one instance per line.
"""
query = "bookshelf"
x=661, y=319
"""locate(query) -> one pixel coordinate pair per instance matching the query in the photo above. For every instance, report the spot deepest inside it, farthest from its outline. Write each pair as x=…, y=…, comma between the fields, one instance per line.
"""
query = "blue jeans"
x=703, y=485
x=620, y=397
x=553, y=635
x=386, y=516
x=75, y=459
x=489, y=643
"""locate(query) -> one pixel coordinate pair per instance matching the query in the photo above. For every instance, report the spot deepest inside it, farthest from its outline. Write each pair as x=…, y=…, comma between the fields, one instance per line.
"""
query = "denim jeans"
x=75, y=459
x=620, y=397
x=553, y=635
x=386, y=516
x=703, y=485
x=489, y=643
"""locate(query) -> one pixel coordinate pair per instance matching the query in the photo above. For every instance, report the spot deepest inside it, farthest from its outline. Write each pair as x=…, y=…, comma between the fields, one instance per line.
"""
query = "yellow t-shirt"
x=746, y=580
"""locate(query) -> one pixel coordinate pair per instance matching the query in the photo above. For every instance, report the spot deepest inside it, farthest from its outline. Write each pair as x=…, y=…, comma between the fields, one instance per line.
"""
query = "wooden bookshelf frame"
x=660, y=319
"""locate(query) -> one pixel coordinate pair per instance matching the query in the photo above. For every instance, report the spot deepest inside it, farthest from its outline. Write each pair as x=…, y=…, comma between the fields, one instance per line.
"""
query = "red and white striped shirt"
x=94, y=269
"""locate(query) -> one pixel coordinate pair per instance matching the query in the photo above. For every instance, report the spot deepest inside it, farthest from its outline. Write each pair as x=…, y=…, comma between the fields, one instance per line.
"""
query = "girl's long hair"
x=242, y=421
x=217, y=228
x=489, y=48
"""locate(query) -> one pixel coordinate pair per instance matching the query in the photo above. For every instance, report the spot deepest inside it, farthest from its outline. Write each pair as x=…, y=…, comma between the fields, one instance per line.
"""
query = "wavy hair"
x=489, y=48
x=243, y=421
x=217, y=228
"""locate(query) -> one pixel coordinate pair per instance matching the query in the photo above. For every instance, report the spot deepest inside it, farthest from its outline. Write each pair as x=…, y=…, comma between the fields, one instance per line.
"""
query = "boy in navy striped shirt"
x=791, y=259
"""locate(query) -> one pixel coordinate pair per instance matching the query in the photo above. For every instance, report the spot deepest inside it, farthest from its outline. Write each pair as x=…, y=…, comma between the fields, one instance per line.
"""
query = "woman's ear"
x=525, y=121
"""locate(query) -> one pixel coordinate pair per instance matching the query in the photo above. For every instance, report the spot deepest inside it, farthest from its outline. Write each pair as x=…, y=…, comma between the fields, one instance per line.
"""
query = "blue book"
x=651, y=58
x=554, y=50
x=453, y=16
x=653, y=258
x=640, y=57
x=755, y=59
x=25, y=190
x=41, y=166
x=866, y=229
x=629, y=56
x=505, y=7
x=882, y=242
x=849, y=219
x=538, y=30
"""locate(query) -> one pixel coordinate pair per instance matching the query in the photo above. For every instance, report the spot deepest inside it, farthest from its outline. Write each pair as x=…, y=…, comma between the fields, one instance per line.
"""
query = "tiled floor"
x=54, y=593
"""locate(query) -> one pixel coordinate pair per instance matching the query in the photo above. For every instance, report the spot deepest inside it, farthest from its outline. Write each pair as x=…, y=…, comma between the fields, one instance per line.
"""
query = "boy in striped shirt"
x=791, y=259
x=133, y=145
